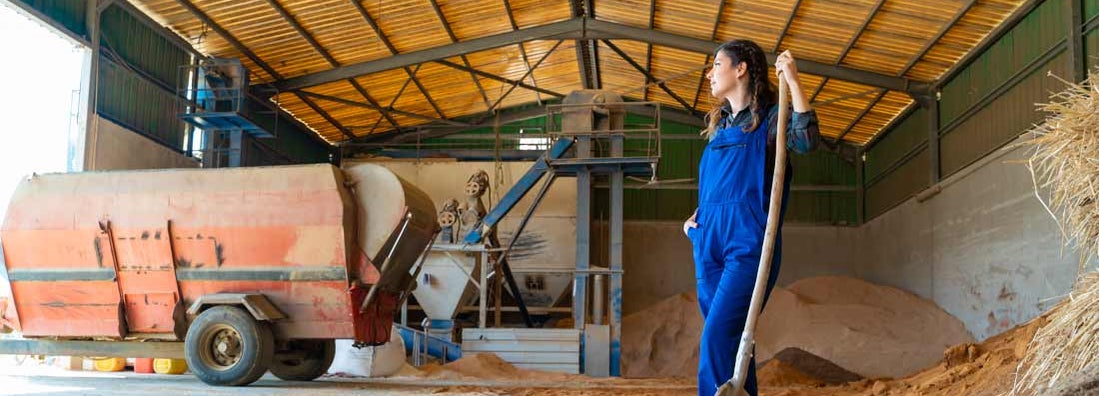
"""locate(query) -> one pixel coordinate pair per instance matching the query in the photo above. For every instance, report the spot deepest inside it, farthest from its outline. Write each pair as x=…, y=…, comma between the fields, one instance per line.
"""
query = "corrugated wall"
x=69, y=14
x=983, y=107
x=138, y=104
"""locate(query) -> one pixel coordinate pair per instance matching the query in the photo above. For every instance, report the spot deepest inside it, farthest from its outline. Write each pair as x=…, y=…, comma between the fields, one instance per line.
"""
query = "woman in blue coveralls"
x=734, y=190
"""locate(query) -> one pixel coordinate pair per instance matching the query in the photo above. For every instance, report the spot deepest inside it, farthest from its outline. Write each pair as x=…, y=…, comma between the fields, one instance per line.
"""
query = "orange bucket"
x=143, y=365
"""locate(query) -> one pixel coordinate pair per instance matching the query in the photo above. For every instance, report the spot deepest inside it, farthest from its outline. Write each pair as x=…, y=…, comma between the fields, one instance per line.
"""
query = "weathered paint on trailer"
x=122, y=254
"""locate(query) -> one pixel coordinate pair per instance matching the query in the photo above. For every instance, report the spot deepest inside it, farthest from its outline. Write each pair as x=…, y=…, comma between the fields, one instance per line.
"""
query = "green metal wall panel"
x=821, y=168
x=291, y=144
x=821, y=207
x=1036, y=33
x=1003, y=119
x=138, y=104
x=908, y=179
x=906, y=136
x=1091, y=8
x=67, y=13
x=1091, y=49
x=141, y=47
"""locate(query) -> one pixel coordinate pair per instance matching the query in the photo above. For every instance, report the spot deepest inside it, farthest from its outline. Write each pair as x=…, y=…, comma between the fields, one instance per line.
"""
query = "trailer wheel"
x=226, y=346
x=304, y=360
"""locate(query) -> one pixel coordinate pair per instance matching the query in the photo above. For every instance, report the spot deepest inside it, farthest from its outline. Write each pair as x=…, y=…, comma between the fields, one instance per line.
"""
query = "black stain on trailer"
x=219, y=251
x=96, y=243
x=144, y=235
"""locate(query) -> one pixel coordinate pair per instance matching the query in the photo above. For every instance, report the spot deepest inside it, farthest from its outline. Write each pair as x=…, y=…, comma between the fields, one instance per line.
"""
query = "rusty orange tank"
x=284, y=255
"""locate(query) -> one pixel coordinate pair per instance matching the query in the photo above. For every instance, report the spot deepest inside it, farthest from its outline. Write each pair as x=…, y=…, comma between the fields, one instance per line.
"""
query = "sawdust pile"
x=984, y=369
x=488, y=366
x=872, y=330
x=662, y=340
x=505, y=378
x=792, y=364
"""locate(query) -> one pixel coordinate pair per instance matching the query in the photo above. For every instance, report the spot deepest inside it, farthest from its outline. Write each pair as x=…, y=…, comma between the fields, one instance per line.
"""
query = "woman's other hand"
x=690, y=223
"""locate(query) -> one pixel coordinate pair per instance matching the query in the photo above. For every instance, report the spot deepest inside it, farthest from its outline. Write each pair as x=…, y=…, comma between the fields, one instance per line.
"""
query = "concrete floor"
x=31, y=379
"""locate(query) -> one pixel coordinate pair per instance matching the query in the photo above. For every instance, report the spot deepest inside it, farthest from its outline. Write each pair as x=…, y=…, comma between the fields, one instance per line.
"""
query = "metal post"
x=192, y=101
x=615, y=262
x=1076, y=40
x=498, y=283
x=860, y=186
x=91, y=132
x=932, y=103
x=583, y=235
x=597, y=299
x=482, y=309
x=404, y=313
x=235, y=137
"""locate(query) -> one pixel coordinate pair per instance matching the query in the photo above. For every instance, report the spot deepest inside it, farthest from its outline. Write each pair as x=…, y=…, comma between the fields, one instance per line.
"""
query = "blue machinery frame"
x=583, y=165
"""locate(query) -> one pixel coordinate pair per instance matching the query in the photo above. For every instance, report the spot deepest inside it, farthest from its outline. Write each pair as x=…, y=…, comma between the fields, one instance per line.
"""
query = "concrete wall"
x=116, y=148
x=983, y=249
x=658, y=263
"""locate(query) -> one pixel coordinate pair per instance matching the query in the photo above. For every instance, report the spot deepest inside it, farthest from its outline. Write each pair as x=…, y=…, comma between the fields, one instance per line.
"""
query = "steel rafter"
x=649, y=52
x=786, y=27
x=454, y=39
x=713, y=35
x=536, y=64
x=393, y=50
x=506, y=80
x=584, y=28
x=329, y=58
x=863, y=113
x=628, y=59
x=522, y=50
x=850, y=44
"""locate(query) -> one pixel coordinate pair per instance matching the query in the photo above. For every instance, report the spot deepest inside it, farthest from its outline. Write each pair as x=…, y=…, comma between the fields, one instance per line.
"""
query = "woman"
x=733, y=193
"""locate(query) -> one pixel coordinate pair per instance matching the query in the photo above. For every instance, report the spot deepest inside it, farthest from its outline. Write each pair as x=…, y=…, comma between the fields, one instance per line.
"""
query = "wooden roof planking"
x=914, y=41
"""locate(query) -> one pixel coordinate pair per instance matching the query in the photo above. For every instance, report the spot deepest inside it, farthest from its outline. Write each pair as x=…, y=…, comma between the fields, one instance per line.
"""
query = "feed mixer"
x=251, y=268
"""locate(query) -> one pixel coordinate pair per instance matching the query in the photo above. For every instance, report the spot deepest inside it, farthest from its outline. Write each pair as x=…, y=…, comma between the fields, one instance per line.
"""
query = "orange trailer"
x=251, y=268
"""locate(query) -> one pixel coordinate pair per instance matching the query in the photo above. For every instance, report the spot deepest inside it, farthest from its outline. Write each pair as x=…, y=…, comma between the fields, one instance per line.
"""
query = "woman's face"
x=724, y=75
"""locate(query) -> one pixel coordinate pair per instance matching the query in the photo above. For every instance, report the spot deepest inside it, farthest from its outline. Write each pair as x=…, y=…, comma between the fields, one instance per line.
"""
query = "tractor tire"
x=304, y=360
x=226, y=346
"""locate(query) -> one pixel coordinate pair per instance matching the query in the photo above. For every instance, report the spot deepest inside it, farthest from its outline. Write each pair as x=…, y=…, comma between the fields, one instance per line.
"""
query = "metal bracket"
x=257, y=304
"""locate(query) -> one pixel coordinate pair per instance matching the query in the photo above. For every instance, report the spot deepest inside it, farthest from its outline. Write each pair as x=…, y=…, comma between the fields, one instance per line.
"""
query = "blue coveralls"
x=734, y=191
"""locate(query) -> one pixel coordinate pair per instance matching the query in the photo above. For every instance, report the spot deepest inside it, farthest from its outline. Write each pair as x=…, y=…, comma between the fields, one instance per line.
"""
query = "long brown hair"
x=762, y=93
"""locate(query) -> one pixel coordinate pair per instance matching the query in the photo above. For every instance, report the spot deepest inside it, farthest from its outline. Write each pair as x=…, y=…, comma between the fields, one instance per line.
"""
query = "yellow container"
x=110, y=364
x=169, y=366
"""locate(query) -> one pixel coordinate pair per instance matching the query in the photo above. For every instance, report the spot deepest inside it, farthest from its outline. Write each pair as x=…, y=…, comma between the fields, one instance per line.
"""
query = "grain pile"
x=984, y=369
x=874, y=331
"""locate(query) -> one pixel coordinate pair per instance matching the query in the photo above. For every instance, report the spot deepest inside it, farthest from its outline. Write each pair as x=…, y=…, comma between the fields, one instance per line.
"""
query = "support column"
x=615, y=295
x=1076, y=56
x=583, y=236
x=932, y=106
x=860, y=186
x=91, y=85
x=235, y=148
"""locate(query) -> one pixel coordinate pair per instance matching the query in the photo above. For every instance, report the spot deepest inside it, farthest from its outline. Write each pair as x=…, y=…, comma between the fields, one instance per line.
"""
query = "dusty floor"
x=56, y=381
x=968, y=369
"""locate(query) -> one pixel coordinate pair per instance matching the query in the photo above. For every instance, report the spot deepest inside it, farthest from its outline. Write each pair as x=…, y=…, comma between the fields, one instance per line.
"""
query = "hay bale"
x=1066, y=345
x=1065, y=162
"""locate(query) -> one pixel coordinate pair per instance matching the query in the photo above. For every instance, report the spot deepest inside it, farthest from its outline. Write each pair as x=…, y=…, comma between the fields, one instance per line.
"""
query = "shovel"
x=735, y=385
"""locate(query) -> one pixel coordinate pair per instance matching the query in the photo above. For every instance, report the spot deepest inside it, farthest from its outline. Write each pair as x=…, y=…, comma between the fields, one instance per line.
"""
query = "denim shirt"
x=802, y=132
